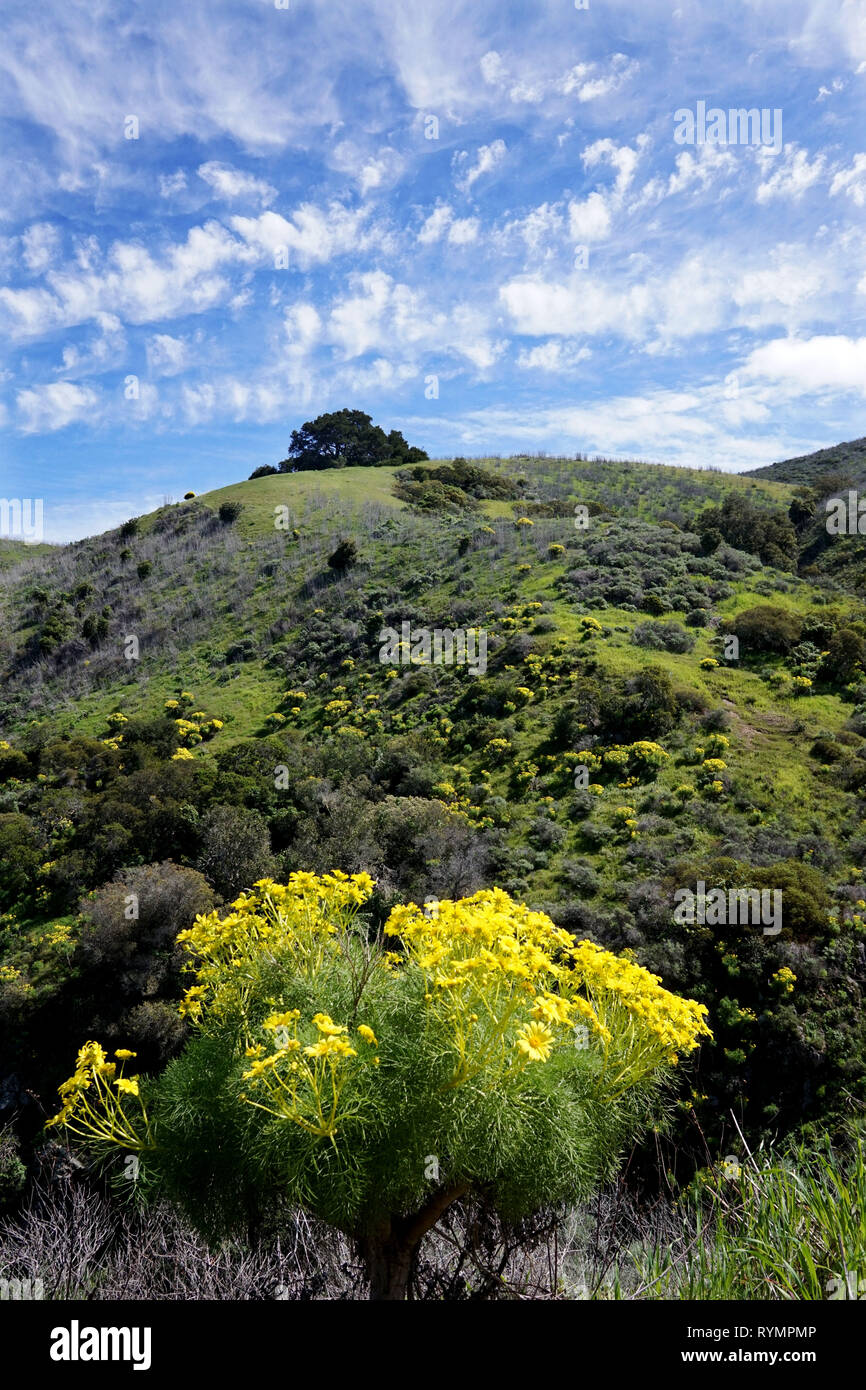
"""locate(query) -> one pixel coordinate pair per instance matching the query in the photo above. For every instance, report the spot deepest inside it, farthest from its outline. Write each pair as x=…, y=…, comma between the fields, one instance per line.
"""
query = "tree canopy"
x=346, y=439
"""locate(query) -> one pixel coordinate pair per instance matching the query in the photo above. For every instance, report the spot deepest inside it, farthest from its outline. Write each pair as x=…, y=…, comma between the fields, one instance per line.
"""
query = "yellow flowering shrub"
x=328, y=1065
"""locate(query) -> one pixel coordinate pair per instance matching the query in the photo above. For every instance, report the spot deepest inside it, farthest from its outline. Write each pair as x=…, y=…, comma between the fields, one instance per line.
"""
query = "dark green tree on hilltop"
x=346, y=439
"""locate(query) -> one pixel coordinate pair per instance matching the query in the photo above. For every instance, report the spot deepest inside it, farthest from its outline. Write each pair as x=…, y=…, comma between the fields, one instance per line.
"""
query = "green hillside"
x=842, y=460
x=206, y=694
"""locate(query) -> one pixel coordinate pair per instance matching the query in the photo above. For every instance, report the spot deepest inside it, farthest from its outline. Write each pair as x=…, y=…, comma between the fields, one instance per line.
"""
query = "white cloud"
x=463, y=231
x=837, y=85
x=493, y=70
x=311, y=236
x=169, y=184
x=852, y=181
x=711, y=163
x=166, y=356
x=552, y=356
x=622, y=158
x=303, y=327
x=589, y=220
x=436, y=224
x=52, y=407
x=534, y=85
x=541, y=230
x=384, y=316
x=30, y=312
x=806, y=366
x=104, y=350
x=372, y=175
x=369, y=170
x=130, y=283
x=488, y=158
x=229, y=183
x=666, y=426
x=792, y=177
x=588, y=84
x=40, y=246
x=704, y=292
x=183, y=71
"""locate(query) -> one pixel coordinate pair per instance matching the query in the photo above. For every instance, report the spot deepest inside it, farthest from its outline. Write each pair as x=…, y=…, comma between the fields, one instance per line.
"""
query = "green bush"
x=767, y=629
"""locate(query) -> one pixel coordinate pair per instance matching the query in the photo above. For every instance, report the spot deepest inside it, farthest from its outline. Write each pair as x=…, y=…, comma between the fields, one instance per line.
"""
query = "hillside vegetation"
x=198, y=700
x=847, y=460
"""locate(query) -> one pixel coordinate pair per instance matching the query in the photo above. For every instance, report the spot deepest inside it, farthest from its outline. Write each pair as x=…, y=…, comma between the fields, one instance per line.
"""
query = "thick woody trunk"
x=389, y=1265
x=389, y=1248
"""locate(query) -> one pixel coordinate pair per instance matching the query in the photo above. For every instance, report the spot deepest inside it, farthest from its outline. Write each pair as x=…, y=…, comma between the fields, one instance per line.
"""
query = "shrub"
x=20, y=859
x=344, y=557
x=767, y=629
x=13, y=1174
x=650, y=707
x=545, y=833
x=827, y=751
x=229, y=512
x=580, y=877
x=130, y=926
x=236, y=848
x=846, y=656
x=374, y=1089
x=669, y=637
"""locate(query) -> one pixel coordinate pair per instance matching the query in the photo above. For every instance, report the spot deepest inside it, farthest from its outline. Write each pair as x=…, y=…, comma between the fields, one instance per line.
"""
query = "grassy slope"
x=14, y=553
x=309, y=496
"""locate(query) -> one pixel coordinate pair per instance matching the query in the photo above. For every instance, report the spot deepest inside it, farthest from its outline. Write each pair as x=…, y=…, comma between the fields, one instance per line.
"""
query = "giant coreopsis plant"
x=374, y=1080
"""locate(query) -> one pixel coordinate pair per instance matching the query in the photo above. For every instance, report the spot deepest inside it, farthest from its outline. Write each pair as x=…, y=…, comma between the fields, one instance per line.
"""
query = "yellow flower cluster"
x=304, y=1083
x=645, y=1026
x=92, y=1100
x=513, y=987
x=299, y=921
x=491, y=968
x=785, y=979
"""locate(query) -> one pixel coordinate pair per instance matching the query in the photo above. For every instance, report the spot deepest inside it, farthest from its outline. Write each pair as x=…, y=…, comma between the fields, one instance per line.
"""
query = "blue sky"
x=335, y=203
